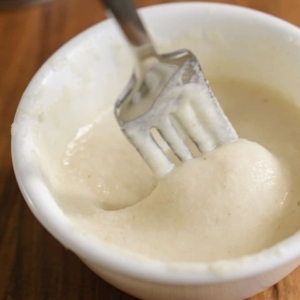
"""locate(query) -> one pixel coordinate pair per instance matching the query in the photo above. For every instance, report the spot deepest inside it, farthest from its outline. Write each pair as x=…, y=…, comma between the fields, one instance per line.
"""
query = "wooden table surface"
x=33, y=265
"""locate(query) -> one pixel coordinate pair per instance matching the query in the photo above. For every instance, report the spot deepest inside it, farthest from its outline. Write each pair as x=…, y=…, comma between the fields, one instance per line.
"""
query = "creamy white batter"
x=233, y=201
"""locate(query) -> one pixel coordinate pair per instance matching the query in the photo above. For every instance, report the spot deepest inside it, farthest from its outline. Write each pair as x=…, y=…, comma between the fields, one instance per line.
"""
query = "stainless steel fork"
x=167, y=92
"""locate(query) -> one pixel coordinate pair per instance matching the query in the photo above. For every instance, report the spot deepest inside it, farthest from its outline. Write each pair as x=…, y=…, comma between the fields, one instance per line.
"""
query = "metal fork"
x=167, y=92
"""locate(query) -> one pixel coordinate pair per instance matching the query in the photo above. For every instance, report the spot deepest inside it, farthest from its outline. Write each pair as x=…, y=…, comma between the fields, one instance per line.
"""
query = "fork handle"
x=128, y=19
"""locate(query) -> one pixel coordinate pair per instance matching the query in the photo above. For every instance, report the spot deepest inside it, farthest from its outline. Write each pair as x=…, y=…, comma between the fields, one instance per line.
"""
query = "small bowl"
x=231, y=41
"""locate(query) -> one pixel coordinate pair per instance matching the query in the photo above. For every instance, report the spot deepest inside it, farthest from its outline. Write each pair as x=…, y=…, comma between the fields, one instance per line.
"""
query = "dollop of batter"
x=235, y=200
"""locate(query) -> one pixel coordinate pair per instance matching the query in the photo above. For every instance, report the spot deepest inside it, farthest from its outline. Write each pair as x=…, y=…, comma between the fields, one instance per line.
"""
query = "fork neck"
x=128, y=19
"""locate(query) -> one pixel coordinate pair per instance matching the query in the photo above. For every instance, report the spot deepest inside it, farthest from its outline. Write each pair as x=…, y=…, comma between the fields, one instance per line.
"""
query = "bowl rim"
x=32, y=187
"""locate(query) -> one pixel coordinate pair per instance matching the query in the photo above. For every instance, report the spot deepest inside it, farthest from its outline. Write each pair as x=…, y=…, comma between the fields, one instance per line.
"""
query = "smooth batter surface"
x=233, y=201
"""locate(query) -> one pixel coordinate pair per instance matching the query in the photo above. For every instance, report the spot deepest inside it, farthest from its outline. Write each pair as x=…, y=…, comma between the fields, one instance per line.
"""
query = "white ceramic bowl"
x=232, y=41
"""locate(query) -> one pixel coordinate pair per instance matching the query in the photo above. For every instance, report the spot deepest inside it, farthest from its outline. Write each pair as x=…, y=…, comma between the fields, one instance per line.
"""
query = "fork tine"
x=208, y=110
x=194, y=128
x=148, y=149
x=176, y=143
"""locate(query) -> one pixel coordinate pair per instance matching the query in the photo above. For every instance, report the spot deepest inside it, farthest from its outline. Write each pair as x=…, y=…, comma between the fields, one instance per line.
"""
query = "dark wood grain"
x=33, y=265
